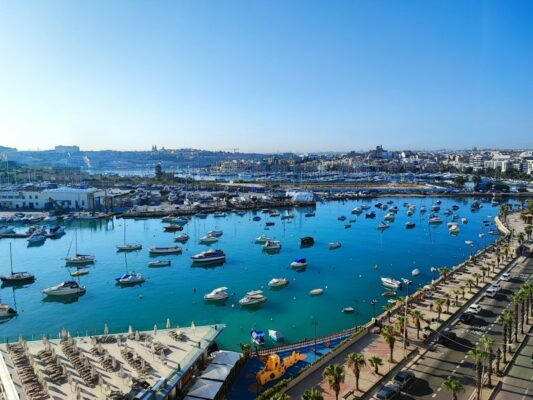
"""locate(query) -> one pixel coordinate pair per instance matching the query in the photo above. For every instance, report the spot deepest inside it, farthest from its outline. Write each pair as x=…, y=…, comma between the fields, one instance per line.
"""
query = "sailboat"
x=6, y=311
x=129, y=278
x=16, y=277
x=128, y=246
x=79, y=259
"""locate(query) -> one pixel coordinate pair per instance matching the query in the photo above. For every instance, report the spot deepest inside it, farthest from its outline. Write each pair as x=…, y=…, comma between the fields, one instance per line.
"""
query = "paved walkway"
x=454, y=291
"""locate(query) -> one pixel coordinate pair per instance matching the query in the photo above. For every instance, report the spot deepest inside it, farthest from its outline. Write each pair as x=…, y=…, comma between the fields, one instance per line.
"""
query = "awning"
x=216, y=372
x=225, y=357
x=204, y=389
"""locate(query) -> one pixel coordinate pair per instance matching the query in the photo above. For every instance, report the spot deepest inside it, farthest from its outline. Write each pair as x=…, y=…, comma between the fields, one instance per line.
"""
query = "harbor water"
x=348, y=275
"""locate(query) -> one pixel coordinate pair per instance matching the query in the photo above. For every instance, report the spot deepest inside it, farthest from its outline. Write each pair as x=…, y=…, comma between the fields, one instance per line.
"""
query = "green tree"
x=417, y=317
x=488, y=346
x=454, y=387
x=438, y=307
x=279, y=396
x=375, y=362
x=476, y=276
x=528, y=230
x=388, y=308
x=335, y=375
x=478, y=355
x=312, y=394
x=387, y=333
x=355, y=362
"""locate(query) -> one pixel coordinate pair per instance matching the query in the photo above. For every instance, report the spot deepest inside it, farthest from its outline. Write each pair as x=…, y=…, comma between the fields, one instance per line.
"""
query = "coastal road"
x=444, y=362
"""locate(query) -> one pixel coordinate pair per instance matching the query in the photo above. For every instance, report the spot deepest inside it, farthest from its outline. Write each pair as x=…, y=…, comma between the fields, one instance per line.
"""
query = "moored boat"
x=334, y=245
x=165, y=250
x=182, y=237
x=252, y=298
x=316, y=292
x=67, y=288
x=272, y=245
x=391, y=283
x=209, y=256
x=159, y=263
x=278, y=282
x=130, y=278
x=299, y=263
x=217, y=294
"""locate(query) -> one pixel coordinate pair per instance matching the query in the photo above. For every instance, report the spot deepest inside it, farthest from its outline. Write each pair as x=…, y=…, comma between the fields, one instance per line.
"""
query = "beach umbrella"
x=130, y=330
x=193, y=327
x=168, y=323
x=106, y=329
x=155, y=329
x=137, y=336
x=100, y=348
x=162, y=355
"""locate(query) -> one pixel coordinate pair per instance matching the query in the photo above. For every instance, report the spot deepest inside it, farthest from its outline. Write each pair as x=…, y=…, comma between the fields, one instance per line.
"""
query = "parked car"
x=474, y=309
x=496, y=286
x=505, y=277
x=466, y=317
x=388, y=392
x=403, y=378
x=446, y=337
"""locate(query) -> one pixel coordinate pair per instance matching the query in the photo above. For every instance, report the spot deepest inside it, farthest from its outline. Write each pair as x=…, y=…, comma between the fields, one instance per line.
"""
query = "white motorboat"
x=209, y=256
x=454, y=229
x=357, y=210
x=435, y=220
x=6, y=230
x=334, y=245
x=37, y=238
x=415, y=272
x=16, y=277
x=57, y=231
x=217, y=294
x=67, y=288
x=382, y=226
x=348, y=310
x=316, y=292
x=208, y=239
x=423, y=209
x=182, y=237
x=130, y=278
x=299, y=263
x=6, y=311
x=391, y=283
x=272, y=245
x=219, y=214
x=215, y=233
x=390, y=217
x=253, y=297
x=154, y=251
x=276, y=336
x=262, y=239
x=469, y=242
x=159, y=263
x=278, y=282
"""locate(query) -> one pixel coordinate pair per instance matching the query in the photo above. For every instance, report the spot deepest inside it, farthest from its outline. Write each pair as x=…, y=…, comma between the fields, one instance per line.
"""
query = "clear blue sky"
x=266, y=75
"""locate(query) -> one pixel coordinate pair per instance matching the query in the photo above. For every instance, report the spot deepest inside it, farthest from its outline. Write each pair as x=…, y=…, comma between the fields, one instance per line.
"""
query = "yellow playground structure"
x=274, y=368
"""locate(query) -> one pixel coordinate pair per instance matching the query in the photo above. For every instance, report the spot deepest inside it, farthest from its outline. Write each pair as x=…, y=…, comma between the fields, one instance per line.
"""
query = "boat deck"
x=100, y=366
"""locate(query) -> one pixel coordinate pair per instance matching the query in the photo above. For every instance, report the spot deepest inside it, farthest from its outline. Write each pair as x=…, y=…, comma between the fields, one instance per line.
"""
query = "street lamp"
x=433, y=271
x=374, y=302
x=314, y=322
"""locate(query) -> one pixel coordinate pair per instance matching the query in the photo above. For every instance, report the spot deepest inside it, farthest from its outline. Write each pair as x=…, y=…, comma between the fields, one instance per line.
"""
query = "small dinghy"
x=348, y=310
x=161, y=263
x=316, y=292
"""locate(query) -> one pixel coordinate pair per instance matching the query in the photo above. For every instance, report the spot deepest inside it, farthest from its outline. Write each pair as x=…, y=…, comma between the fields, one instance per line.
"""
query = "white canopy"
x=204, y=389
x=225, y=357
x=216, y=372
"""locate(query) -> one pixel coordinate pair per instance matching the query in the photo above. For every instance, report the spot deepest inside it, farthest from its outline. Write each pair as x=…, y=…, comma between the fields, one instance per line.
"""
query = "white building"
x=66, y=197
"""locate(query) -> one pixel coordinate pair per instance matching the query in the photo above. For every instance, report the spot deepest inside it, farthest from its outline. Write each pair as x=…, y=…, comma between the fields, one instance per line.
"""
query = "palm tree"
x=388, y=308
x=375, y=362
x=478, y=355
x=312, y=394
x=470, y=284
x=515, y=301
x=462, y=289
x=387, y=333
x=444, y=272
x=438, y=307
x=335, y=375
x=447, y=302
x=476, y=276
x=400, y=323
x=484, y=270
x=521, y=236
x=456, y=292
x=454, y=386
x=355, y=362
x=279, y=396
x=417, y=317
x=528, y=230
x=488, y=344
x=503, y=212
x=498, y=359
x=246, y=350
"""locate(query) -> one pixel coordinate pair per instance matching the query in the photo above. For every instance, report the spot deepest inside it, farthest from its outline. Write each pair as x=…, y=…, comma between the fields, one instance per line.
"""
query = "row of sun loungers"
x=80, y=363
x=138, y=363
x=33, y=386
x=52, y=366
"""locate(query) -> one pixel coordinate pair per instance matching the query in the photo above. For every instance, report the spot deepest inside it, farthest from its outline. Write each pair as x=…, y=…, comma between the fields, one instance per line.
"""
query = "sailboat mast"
x=10, y=258
x=124, y=232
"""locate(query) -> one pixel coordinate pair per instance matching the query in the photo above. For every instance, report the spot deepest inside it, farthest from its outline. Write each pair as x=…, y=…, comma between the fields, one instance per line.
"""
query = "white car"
x=474, y=309
x=496, y=286
x=505, y=277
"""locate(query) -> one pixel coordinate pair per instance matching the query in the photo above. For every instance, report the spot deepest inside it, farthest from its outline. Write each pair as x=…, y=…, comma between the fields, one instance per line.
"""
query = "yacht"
x=207, y=239
x=182, y=237
x=435, y=220
x=6, y=230
x=423, y=209
x=410, y=225
x=272, y=245
x=253, y=297
x=348, y=310
x=80, y=259
x=276, y=336
x=217, y=294
x=6, y=311
x=278, y=282
x=435, y=208
x=16, y=277
x=57, y=231
x=334, y=245
x=173, y=228
x=131, y=278
x=37, y=238
x=215, y=233
x=410, y=212
x=66, y=288
x=391, y=283
x=299, y=263
x=209, y=256
x=382, y=226
x=371, y=214
x=365, y=207
x=307, y=241
x=165, y=250
x=262, y=239
x=454, y=229
x=316, y=292
x=390, y=217
x=357, y=210
x=159, y=263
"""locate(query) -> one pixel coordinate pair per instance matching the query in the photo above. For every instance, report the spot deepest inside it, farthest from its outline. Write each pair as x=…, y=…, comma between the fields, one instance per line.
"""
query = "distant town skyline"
x=267, y=77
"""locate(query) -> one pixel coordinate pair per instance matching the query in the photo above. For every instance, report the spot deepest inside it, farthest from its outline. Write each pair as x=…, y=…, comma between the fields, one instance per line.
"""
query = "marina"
x=366, y=255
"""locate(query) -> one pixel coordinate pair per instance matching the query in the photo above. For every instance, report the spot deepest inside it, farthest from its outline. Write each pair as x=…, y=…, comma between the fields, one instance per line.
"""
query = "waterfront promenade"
x=448, y=296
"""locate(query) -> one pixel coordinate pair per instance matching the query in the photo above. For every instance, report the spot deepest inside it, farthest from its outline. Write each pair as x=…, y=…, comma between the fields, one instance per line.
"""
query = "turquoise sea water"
x=177, y=292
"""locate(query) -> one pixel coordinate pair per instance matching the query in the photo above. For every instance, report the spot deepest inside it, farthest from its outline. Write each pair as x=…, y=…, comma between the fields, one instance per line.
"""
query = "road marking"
x=434, y=395
x=439, y=389
x=466, y=356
